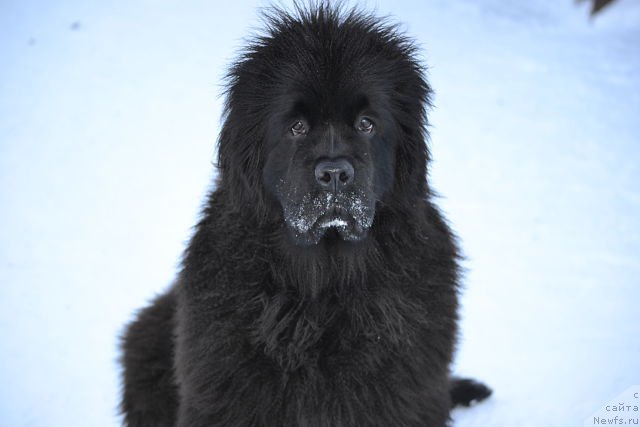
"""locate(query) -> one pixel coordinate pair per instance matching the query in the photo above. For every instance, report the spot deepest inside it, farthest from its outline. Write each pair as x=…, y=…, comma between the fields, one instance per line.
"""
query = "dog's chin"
x=325, y=217
x=330, y=228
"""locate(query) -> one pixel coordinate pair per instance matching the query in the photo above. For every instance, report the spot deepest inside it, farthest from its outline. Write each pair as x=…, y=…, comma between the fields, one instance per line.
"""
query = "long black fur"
x=258, y=331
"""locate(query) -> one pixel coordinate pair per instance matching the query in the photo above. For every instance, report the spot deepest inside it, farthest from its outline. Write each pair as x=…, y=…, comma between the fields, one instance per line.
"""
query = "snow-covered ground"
x=108, y=118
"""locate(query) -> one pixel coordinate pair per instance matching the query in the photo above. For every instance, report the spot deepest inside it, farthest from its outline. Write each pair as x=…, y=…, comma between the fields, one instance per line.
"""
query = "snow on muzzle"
x=350, y=213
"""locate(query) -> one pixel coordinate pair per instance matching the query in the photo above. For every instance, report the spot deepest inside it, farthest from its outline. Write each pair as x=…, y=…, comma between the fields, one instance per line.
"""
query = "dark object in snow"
x=75, y=26
x=597, y=5
x=320, y=287
x=465, y=391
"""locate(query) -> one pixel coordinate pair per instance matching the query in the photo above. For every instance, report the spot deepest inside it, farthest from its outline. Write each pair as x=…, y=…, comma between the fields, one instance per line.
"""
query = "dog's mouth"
x=331, y=218
x=332, y=228
x=337, y=221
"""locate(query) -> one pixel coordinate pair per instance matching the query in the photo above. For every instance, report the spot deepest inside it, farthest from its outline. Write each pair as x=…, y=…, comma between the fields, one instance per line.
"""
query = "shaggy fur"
x=346, y=322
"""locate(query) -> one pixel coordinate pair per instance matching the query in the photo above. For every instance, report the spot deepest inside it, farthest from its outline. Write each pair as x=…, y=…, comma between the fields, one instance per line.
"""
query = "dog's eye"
x=298, y=128
x=365, y=125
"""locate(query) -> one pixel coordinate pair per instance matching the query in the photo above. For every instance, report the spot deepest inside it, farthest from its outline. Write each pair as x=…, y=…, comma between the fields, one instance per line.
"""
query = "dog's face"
x=325, y=124
x=329, y=159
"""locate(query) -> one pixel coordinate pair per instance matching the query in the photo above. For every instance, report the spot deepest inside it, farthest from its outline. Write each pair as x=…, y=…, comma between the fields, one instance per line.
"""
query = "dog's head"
x=325, y=119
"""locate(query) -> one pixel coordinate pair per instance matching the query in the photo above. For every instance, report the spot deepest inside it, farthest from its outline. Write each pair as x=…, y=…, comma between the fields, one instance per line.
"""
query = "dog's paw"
x=465, y=391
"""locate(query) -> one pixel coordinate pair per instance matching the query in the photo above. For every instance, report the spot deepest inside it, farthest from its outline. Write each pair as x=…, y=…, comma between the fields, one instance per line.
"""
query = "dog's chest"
x=324, y=334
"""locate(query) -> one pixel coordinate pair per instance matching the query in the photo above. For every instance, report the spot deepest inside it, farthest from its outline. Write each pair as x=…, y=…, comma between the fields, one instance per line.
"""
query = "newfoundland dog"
x=320, y=287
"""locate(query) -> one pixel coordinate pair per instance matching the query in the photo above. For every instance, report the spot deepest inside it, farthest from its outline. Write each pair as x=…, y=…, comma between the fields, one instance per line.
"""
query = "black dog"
x=320, y=287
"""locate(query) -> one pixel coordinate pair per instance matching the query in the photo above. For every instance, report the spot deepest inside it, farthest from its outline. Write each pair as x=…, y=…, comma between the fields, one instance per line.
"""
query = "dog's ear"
x=240, y=165
x=412, y=100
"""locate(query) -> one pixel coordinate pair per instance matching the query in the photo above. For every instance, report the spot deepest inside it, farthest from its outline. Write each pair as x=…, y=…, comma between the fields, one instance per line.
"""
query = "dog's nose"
x=334, y=174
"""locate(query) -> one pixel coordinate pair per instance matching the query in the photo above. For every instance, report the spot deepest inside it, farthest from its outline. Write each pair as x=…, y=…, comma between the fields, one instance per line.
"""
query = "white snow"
x=336, y=222
x=108, y=116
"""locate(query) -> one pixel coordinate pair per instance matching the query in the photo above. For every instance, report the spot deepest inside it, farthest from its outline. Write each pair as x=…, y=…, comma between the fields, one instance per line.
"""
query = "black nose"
x=334, y=174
